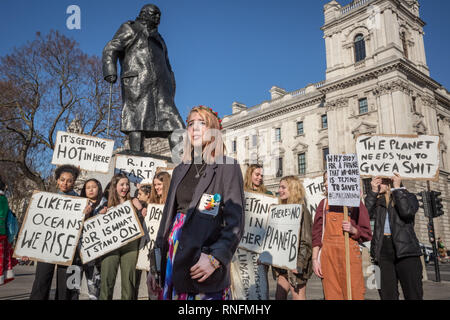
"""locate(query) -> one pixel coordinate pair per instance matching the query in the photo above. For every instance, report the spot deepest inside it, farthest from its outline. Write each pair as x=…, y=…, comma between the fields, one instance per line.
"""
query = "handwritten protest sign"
x=315, y=190
x=257, y=207
x=107, y=232
x=137, y=168
x=281, y=241
x=151, y=227
x=412, y=157
x=248, y=278
x=90, y=153
x=343, y=180
x=51, y=228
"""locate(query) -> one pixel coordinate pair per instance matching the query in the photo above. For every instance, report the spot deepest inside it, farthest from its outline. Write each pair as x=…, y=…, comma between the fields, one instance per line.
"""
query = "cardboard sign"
x=151, y=227
x=282, y=236
x=315, y=190
x=51, y=228
x=257, y=209
x=343, y=180
x=137, y=168
x=107, y=232
x=89, y=153
x=412, y=157
x=248, y=278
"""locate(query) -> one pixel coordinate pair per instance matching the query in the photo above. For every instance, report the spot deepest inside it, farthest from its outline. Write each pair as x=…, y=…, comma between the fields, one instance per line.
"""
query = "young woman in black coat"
x=394, y=246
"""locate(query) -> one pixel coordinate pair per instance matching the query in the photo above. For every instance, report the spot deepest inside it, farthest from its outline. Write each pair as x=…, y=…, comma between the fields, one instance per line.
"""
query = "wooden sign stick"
x=347, y=257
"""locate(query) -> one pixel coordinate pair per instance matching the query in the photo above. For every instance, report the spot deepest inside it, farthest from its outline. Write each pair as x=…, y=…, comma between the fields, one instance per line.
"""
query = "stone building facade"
x=377, y=81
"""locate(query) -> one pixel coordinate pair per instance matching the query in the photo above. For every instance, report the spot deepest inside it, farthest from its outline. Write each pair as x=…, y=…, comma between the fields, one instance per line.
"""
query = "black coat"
x=401, y=221
x=148, y=83
x=218, y=236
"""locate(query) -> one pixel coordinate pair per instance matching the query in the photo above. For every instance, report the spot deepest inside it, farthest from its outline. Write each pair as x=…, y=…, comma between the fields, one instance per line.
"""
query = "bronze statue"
x=148, y=82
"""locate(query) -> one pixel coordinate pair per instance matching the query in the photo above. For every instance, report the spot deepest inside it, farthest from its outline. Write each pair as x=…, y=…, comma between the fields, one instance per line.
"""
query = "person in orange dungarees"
x=329, y=248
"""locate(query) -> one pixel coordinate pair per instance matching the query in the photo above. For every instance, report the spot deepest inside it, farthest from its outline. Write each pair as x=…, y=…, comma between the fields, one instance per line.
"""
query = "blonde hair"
x=296, y=191
x=165, y=178
x=215, y=146
x=248, y=184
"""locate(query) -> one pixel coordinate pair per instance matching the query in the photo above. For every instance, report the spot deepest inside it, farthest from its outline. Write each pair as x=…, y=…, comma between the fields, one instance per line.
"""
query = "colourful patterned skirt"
x=169, y=292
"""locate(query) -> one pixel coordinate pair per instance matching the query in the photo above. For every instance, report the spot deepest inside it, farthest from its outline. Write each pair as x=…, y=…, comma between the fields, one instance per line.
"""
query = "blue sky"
x=221, y=51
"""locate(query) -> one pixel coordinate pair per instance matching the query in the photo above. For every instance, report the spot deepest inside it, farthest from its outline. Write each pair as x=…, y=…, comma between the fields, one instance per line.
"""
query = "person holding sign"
x=92, y=189
x=65, y=176
x=203, y=219
x=395, y=247
x=291, y=191
x=125, y=256
x=253, y=181
x=328, y=247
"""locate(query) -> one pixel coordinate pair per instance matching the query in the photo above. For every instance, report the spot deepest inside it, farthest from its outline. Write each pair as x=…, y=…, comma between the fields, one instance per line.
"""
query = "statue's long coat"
x=148, y=83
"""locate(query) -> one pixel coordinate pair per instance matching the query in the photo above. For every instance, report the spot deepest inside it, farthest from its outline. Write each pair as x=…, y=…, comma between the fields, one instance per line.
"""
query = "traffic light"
x=436, y=204
x=430, y=229
x=424, y=203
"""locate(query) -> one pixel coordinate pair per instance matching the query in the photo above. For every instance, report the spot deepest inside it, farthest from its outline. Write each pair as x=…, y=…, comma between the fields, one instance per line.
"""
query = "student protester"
x=291, y=191
x=92, y=189
x=253, y=181
x=66, y=177
x=394, y=246
x=329, y=247
x=7, y=262
x=156, y=195
x=126, y=256
x=203, y=218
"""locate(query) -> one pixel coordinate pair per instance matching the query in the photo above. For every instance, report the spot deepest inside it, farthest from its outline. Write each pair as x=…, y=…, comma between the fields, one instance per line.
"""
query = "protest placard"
x=343, y=180
x=107, y=232
x=412, y=157
x=137, y=168
x=51, y=228
x=257, y=207
x=151, y=227
x=89, y=153
x=281, y=240
x=315, y=192
x=248, y=278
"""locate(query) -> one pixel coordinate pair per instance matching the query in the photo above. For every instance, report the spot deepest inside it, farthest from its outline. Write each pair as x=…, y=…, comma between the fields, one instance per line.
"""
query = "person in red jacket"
x=329, y=248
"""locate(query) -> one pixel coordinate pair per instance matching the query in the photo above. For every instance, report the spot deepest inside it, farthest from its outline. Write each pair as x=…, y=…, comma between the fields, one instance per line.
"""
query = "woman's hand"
x=348, y=227
x=103, y=211
x=202, y=269
x=317, y=268
x=88, y=209
x=137, y=204
x=152, y=284
x=144, y=212
x=397, y=180
x=376, y=182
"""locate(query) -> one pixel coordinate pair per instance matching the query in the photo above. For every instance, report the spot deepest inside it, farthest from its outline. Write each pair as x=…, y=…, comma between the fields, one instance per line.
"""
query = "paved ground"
x=20, y=288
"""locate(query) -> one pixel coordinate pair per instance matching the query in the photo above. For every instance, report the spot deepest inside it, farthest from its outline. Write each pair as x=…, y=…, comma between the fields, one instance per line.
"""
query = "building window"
x=277, y=134
x=254, y=140
x=325, y=153
x=360, y=48
x=300, y=128
x=324, y=121
x=234, y=146
x=363, y=106
x=404, y=44
x=301, y=163
x=279, y=167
